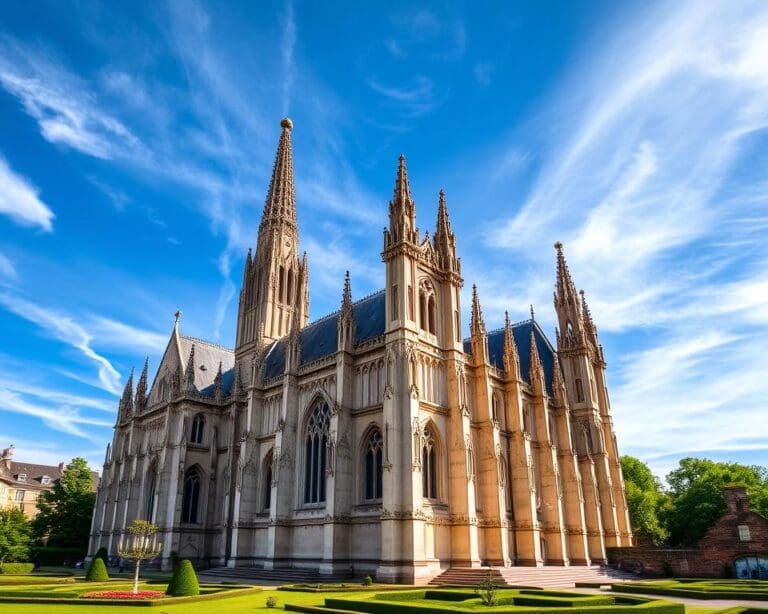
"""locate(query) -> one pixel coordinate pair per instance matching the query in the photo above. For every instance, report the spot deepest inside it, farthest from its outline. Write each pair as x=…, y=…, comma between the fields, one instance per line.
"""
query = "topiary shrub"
x=97, y=572
x=367, y=581
x=184, y=581
x=16, y=568
x=271, y=602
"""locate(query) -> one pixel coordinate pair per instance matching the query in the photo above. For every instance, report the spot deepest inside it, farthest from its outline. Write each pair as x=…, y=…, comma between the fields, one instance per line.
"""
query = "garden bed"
x=514, y=601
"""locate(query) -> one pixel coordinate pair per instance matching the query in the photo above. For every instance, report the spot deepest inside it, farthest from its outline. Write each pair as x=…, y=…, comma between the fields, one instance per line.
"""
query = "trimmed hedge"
x=97, y=571
x=19, y=569
x=703, y=593
x=184, y=581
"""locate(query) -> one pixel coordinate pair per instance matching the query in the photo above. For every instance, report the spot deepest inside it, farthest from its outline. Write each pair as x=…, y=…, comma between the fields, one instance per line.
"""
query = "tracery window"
x=427, y=308
x=267, y=486
x=429, y=466
x=374, y=460
x=191, y=499
x=198, y=427
x=316, y=453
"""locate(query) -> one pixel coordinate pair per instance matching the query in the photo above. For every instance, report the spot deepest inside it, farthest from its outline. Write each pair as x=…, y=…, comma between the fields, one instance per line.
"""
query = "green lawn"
x=756, y=590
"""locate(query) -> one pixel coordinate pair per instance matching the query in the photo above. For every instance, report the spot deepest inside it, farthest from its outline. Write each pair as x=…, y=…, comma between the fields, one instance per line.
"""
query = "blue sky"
x=136, y=145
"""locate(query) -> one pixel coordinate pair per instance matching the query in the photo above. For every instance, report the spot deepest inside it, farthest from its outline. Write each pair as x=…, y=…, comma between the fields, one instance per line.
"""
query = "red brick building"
x=737, y=544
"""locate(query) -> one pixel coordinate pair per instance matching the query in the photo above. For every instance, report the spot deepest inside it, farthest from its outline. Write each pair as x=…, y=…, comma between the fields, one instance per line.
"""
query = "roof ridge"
x=211, y=343
x=501, y=328
x=338, y=311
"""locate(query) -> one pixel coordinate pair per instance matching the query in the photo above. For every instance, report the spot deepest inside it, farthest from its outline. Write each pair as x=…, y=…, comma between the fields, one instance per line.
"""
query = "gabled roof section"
x=522, y=334
x=207, y=358
x=319, y=339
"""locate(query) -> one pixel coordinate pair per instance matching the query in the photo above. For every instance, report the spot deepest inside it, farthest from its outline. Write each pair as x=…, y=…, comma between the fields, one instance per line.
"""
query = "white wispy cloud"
x=7, y=268
x=60, y=103
x=416, y=98
x=20, y=200
x=646, y=185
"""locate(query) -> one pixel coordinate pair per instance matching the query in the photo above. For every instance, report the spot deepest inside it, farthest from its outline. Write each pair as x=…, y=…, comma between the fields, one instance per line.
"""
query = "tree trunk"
x=136, y=579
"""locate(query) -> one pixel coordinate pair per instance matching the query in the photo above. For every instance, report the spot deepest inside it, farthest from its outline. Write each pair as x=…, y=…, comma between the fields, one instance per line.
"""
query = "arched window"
x=429, y=466
x=423, y=309
x=198, y=427
x=267, y=486
x=374, y=460
x=432, y=310
x=149, y=511
x=191, y=500
x=281, y=284
x=315, y=458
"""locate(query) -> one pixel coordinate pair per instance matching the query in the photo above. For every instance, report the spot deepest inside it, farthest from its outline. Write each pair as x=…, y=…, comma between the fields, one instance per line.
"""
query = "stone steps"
x=540, y=577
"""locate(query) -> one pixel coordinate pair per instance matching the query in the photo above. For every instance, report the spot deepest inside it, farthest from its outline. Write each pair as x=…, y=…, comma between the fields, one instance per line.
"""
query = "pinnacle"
x=280, y=204
x=565, y=288
x=402, y=193
x=476, y=323
x=346, y=300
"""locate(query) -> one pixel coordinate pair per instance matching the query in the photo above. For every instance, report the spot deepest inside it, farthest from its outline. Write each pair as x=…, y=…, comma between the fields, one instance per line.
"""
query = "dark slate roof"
x=227, y=379
x=522, y=334
x=319, y=339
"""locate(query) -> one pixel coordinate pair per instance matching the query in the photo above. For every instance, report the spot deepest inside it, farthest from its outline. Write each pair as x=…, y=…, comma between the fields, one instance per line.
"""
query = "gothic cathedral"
x=375, y=440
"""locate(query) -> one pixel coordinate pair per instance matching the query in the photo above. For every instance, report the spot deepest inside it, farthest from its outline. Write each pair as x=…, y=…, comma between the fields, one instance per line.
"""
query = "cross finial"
x=177, y=316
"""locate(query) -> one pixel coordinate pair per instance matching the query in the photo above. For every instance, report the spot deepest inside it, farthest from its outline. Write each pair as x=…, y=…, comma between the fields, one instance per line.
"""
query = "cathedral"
x=376, y=440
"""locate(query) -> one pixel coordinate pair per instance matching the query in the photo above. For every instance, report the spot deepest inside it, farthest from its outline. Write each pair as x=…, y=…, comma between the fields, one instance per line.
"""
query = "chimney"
x=736, y=500
x=7, y=457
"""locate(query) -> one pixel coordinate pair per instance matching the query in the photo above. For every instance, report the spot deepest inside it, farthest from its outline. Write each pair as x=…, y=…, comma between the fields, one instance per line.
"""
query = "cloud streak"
x=20, y=200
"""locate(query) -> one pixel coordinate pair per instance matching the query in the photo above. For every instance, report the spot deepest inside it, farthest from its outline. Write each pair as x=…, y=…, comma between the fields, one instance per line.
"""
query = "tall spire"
x=141, y=388
x=565, y=290
x=511, y=358
x=476, y=323
x=402, y=193
x=280, y=206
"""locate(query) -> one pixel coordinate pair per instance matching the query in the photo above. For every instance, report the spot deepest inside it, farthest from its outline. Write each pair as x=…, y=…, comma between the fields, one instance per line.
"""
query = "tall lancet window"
x=427, y=308
x=429, y=466
x=374, y=461
x=267, y=486
x=191, y=499
x=316, y=453
x=149, y=512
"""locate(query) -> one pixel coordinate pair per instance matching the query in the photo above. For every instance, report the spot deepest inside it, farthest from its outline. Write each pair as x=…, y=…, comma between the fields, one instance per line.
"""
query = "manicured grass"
x=700, y=589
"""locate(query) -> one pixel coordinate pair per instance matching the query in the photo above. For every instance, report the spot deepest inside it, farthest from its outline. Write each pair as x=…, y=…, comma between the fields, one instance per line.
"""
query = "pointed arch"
x=281, y=284
x=151, y=491
x=316, y=436
x=372, y=452
x=190, y=503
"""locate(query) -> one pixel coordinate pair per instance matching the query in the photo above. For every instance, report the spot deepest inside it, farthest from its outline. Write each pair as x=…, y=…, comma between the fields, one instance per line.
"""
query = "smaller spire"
x=141, y=387
x=402, y=192
x=533, y=314
x=536, y=370
x=189, y=373
x=237, y=385
x=589, y=323
x=126, y=402
x=558, y=384
x=346, y=299
x=476, y=323
x=346, y=324
x=218, y=385
x=511, y=358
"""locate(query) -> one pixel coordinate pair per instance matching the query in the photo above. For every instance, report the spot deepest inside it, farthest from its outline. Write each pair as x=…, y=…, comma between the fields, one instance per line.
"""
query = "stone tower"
x=583, y=365
x=274, y=293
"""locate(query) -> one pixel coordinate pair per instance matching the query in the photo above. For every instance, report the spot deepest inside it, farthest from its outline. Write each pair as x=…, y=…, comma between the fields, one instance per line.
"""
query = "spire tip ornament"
x=286, y=123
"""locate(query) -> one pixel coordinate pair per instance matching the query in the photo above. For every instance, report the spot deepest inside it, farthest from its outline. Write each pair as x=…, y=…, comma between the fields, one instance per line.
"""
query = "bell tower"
x=275, y=278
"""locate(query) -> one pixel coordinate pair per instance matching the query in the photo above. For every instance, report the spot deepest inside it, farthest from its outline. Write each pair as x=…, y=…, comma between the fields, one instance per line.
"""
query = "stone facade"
x=737, y=544
x=376, y=440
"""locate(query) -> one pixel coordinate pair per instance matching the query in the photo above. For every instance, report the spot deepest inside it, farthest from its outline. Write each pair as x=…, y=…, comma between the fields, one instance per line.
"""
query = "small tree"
x=97, y=572
x=141, y=545
x=487, y=590
x=64, y=513
x=184, y=581
x=15, y=536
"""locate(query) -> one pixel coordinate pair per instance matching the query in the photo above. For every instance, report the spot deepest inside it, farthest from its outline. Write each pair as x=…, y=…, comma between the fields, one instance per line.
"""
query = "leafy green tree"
x=15, y=536
x=696, y=491
x=645, y=499
x=64, y=513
